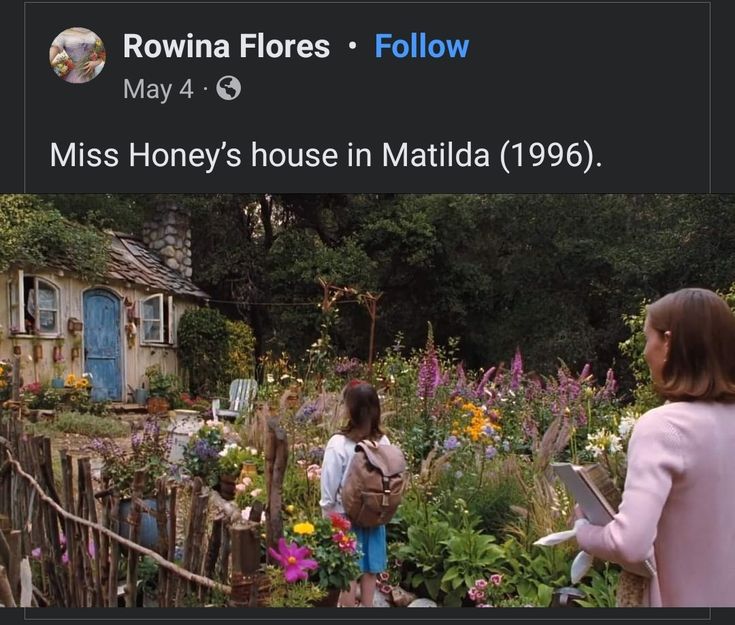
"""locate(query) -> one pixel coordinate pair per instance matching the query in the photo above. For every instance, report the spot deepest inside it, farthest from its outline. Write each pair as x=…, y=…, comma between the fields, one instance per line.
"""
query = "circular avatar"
x=77, y=55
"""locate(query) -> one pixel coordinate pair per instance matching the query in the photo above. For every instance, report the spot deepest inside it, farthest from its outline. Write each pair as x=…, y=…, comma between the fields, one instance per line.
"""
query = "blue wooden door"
x=102, y=344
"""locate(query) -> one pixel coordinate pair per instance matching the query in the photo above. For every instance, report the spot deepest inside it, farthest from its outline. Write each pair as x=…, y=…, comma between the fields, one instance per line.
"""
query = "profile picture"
x=77, y=55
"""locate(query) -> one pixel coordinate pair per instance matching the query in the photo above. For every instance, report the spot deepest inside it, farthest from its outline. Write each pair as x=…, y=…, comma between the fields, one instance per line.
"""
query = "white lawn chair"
x=242, y=400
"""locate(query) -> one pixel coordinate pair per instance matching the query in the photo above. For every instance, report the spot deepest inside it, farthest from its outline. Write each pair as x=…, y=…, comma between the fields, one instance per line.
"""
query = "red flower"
x=340, y=522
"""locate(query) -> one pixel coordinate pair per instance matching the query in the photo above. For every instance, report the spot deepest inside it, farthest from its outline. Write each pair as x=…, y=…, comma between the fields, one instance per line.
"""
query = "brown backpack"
x=374, y=484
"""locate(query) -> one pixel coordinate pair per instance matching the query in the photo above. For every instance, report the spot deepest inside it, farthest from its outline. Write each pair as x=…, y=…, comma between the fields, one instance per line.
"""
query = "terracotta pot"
x=157, y=405
x=17, y=350
x=37, y=352
x=74, y=353
x=57, y=354
x=227, y=487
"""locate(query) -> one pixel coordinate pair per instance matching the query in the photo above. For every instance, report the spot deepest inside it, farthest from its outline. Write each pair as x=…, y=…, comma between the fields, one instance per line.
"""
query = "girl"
x=363, y=407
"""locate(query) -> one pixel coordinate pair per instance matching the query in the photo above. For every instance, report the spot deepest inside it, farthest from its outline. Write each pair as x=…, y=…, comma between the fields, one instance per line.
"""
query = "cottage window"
x=157, y=319
x=34, y=305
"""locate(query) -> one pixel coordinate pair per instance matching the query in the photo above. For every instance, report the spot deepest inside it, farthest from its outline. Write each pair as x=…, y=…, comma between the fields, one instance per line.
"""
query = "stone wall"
x=169, y=234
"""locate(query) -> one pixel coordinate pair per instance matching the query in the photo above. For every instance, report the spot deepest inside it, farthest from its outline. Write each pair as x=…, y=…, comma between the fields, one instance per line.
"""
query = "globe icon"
x=228, y=87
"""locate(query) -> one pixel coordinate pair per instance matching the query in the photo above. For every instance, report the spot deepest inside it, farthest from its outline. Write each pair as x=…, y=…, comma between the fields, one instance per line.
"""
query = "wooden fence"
x=73, y=534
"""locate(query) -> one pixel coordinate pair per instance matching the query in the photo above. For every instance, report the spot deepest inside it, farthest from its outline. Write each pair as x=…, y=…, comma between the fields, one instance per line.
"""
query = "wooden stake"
x=6, y=596
x=131, y=590
x=276, y=459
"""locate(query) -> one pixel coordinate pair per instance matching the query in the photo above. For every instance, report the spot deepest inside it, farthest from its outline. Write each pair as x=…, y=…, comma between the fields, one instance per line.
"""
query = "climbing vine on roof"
x=33, y=233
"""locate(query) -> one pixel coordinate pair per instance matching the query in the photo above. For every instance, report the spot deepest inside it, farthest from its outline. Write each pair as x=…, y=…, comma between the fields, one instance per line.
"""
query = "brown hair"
x=701, y=359
x=363, y=407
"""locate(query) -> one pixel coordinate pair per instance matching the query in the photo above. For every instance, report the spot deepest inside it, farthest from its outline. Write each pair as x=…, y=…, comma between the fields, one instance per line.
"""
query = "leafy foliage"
x=33, y=233
x=240, y=351
x=203, y=348
x=281, y=594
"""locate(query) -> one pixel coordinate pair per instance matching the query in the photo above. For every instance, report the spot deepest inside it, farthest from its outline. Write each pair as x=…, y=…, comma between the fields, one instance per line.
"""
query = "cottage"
x=112, y=328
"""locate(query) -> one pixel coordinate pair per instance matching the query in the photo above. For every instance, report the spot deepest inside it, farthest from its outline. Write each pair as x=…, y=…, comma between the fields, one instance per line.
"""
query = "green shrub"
x=203, y=348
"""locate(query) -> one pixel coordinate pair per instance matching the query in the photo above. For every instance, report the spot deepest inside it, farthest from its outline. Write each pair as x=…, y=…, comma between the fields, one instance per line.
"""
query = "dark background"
x=632, y=78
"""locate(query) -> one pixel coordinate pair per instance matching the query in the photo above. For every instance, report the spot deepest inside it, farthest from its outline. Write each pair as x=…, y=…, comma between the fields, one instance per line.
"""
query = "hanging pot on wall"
x=17, y=350
x=37, y=352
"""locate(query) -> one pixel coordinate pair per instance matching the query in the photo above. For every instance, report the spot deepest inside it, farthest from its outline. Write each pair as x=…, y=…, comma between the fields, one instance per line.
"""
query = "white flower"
x=594, y=449
x=256, y=492
x=270, y=379
x=626, y=424
x=253, y=451
x=614, y=444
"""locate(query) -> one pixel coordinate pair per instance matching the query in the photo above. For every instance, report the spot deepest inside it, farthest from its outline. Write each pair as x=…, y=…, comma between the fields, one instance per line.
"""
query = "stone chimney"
x=169, y=234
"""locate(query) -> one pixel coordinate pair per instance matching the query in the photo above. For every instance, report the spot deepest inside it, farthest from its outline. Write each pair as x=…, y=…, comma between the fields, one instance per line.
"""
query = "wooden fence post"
x=114, y=504
x=245, y=565
x=6, y=596
x=161, y=502
x=276, y=457
x=131, y=587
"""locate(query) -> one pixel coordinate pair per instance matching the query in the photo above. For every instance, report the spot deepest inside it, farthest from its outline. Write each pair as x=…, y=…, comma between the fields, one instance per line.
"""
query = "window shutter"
x=17, y=302
x=171, y=338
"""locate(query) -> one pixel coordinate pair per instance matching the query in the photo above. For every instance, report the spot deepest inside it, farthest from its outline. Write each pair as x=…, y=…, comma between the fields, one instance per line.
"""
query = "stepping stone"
x=422, y=603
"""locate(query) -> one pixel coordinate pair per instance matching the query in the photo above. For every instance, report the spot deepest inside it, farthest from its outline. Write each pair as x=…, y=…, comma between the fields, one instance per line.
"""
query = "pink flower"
x=479, y=595
x=385, y=588
x=383, y=577
x=36, y=553
x=91, y=550
x=481, y=584
x=241, y=488
x=65, y=558
x=344, y=542
x=294, y=560
x=496, y=579
x=472, y=594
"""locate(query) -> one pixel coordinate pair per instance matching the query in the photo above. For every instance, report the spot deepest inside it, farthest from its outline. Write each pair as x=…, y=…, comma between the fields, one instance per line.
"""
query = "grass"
x=84, y=424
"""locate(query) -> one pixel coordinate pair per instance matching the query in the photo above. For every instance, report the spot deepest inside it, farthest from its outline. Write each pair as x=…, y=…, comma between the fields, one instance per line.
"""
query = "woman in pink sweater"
x=679, y=498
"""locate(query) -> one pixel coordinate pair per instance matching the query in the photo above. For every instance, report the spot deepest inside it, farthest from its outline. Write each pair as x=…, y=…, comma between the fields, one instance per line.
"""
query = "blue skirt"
x=371, y=542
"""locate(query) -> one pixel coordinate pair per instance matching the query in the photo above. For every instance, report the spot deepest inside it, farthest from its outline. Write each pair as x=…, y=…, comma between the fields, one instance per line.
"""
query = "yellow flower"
x=71, y=380
x=304, y=528
x=290, y=508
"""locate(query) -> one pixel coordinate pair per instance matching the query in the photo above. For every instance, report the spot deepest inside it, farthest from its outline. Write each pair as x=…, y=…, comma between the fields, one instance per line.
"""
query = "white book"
x=587, y=491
